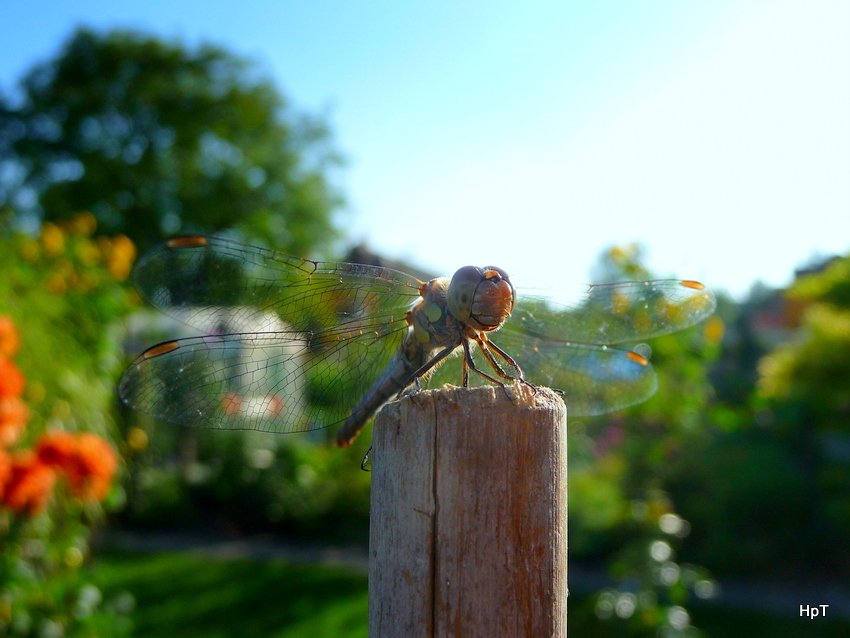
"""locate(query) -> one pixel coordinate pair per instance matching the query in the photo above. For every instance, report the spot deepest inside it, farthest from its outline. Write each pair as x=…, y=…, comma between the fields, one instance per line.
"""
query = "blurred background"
x=566, y=142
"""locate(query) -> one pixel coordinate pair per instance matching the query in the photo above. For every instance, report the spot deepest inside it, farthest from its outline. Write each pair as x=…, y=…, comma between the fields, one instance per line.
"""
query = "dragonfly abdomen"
x=395, y=378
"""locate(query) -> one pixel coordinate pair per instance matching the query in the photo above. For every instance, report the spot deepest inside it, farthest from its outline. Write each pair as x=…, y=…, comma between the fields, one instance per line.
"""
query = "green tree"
x=805, y=382
x=155, y=138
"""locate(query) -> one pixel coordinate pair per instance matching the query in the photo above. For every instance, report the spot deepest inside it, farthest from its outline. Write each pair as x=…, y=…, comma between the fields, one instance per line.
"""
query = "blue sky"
x=533, y=135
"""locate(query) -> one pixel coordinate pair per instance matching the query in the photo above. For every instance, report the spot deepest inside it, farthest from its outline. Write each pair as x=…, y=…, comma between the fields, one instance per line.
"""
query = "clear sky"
x=532, y=135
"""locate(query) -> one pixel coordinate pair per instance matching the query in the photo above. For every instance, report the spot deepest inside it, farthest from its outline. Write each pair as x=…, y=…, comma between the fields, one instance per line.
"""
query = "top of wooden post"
x=469, y=514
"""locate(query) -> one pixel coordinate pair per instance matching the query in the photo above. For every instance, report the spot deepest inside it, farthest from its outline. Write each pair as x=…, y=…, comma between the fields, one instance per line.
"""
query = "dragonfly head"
x=481, y=297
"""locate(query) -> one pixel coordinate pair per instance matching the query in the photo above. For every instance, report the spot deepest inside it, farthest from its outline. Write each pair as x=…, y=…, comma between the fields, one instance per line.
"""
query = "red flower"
x=29, y=484
x=11, y=379
x=56, y=448
x=94, y=468
x=5, y=470
x=85, y=460
x=14, y=414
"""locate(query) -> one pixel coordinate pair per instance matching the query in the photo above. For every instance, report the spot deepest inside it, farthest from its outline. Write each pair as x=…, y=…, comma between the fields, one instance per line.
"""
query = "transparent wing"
x=209, y=281
x=294, y=346
x=568, y=346
x=594, y=379
x=613, y=313
x=272, y=382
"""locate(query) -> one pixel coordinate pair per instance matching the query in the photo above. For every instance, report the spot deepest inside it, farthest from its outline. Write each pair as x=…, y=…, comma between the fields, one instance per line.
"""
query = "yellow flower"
x=120, y=258
x=84, y=223
x=137, y=439
x=52, y=238
x=713, y=329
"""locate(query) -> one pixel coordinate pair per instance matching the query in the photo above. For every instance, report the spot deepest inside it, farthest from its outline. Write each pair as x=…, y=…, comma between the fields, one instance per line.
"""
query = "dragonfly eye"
x=481, y=297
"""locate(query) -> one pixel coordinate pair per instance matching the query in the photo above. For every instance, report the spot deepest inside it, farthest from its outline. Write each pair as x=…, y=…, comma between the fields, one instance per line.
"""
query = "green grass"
x=187, y=595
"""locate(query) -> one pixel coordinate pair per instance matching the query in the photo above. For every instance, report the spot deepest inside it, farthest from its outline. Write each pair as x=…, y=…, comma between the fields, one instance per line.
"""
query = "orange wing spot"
x=187, y=241
x=161, y=349
x=690, y=283
x=638, y=359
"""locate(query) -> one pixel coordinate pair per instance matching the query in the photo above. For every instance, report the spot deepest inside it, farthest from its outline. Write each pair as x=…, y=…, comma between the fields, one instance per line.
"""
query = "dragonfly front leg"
x=469, y=361
x=486, y=345
x=437, y=358
x=465, y=374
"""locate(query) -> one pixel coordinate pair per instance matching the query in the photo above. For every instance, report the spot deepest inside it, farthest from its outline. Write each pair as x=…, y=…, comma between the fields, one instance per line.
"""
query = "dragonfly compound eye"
x=481, y=297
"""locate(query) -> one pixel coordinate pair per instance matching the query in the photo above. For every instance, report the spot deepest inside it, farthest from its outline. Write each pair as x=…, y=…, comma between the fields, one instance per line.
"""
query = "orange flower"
x=5, y=470
x=29, y=484
x=14, y=414
x=11, y=379
x=86, y=461
x=94, y=468
x=56, y=449
x=8, y=337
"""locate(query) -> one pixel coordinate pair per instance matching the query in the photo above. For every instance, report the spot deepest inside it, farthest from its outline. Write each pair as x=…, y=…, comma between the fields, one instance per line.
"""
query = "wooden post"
x=468, y=529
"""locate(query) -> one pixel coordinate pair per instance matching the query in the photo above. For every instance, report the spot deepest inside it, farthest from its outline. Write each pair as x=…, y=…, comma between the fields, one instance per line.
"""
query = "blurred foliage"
x=50, y=494
x=804, y=383
x=620, y=510
x=155, y=139
x=67, y=290
x=746, y=441
x=811, y=374
x=238, y=482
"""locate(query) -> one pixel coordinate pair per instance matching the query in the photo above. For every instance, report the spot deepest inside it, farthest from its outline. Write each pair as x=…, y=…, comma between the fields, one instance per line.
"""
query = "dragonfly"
x=291, y=344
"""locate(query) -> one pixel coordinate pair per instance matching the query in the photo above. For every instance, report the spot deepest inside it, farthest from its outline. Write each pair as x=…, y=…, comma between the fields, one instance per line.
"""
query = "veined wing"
x=595, y=379
x=298, y=342
x=569, y=346
x=273, y=382
x=614, y=313
x=197, y=279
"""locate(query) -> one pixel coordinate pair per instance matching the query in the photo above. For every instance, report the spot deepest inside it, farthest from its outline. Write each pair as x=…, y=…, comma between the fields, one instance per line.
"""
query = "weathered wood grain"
x=469, y=515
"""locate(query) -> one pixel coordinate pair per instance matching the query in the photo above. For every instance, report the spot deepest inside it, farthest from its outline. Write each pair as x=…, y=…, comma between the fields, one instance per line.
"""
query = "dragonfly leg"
x=483, y=344
x=437, y=358
x=467, y=353
x=488, y=344
x=407, y=391
x=508, y=358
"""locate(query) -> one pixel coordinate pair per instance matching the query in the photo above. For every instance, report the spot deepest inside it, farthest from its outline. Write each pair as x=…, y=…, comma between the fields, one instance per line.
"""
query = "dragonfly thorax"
x=481, y=297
